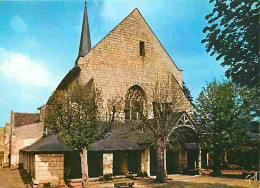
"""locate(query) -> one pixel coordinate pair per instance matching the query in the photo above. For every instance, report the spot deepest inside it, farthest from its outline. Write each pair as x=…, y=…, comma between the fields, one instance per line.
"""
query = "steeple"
x=85, y=42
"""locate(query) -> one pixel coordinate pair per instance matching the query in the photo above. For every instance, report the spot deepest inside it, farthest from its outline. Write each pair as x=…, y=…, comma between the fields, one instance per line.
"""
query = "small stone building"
x=24, y=130
x=129, y=59
x=44, y=160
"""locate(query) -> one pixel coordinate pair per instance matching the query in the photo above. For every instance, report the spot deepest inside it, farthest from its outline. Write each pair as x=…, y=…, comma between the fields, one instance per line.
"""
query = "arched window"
x=134, y=103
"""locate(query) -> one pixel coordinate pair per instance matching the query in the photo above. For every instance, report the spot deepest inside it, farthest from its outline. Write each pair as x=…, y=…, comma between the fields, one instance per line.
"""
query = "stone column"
x=183, y=158
x=145, y=161
x=207, y=159
x=107, y=163
x=165, y=166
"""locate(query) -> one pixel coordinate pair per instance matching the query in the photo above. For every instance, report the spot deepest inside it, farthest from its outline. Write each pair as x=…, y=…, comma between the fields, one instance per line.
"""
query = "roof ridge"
x=26, y=113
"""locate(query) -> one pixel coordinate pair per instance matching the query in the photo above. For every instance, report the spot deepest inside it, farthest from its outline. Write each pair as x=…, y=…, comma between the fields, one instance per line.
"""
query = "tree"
x=232, y=34
x=158, y=115
x=75, y=115
x=187, y=92
x=223, y=113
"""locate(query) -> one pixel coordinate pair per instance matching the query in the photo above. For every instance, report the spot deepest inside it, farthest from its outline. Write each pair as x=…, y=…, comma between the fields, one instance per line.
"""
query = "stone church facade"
x=130, y=57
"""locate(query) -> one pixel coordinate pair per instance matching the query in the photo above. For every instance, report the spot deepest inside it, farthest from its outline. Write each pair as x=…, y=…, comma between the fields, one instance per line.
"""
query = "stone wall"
x=116, y=65
x=107, y=163
x=145, y=161
x=24, y=136
x=2, y=139
x=43, y=168
x=7, y=138
x=49, y=168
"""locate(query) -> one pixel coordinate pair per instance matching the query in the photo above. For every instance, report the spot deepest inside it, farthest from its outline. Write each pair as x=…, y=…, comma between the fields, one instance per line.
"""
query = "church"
x=130, y=58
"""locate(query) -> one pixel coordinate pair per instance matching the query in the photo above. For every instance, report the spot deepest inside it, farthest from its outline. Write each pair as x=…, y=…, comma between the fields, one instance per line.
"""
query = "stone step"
x=124, y=184
x=75, y=184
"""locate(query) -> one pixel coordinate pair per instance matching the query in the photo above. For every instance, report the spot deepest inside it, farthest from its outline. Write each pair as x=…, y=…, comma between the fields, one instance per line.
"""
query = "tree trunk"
x=84, y=166
x=199, y=161
x=160, y=171
x=217, y=162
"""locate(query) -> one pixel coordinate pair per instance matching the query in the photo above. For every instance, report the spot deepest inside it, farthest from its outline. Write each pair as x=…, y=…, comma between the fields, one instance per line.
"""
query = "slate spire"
x=85, y=42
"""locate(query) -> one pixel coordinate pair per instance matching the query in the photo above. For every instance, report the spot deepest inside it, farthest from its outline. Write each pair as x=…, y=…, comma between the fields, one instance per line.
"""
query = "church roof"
x=71, y=76
x=85, y=41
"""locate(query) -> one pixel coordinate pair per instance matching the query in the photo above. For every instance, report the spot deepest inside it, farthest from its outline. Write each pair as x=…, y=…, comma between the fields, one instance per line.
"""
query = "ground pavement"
x=180, y=181
x=11, y=178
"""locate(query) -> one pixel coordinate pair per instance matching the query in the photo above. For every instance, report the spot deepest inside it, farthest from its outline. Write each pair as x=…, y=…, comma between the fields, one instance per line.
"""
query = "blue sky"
x=39, y=43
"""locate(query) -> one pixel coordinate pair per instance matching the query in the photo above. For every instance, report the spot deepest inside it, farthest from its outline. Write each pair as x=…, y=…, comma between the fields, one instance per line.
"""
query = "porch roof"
x=114, y=141
x=118, y=140
x=48, y=143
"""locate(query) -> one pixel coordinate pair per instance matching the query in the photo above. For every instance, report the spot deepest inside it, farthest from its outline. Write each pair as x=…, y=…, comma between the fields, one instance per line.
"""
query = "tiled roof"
x=21, y=119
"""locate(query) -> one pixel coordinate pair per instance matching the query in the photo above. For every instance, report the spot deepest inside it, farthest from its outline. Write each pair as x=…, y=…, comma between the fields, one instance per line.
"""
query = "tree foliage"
x=232, y=34
x=224, y=113
x=76, y=115
x=159, y=115
x=187, y=92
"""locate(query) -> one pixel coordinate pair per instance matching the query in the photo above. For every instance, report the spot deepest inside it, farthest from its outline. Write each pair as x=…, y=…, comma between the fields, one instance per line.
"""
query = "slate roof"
x=47, y=144
x=121, y=138
x=118, y=140
x=113, y=141
x=21, y=119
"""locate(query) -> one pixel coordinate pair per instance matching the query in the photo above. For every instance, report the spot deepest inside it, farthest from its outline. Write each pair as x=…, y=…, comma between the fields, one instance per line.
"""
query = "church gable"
x=130, y=54
x=120, y=48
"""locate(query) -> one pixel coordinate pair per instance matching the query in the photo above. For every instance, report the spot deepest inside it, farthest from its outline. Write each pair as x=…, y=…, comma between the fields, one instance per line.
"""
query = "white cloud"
x=24, y=70
x=18, y=24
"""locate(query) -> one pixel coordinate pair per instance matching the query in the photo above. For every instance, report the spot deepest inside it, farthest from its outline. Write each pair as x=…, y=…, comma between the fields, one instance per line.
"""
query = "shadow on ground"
x=190, y=185
x=26, y=179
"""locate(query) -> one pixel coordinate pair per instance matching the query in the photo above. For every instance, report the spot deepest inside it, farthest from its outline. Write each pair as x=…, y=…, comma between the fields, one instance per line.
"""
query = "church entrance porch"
x=103, y=163
x=183, y=160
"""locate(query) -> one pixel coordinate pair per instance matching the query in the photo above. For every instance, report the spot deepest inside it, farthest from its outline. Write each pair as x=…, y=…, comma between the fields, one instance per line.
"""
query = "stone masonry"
x=7, y=138
x=115, y=63
x=49, y=167
x=24, y=136
x=2, y=141
x=44, y=168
